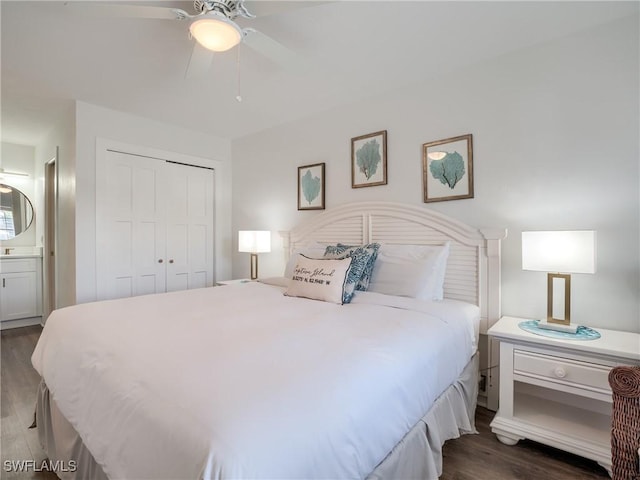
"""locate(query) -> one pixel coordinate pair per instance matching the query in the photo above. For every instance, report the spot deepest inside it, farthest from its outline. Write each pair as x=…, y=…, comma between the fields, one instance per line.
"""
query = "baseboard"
x=22, y=322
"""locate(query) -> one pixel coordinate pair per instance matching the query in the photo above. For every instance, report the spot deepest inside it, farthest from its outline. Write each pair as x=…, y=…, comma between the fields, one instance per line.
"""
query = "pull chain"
x=238, y=96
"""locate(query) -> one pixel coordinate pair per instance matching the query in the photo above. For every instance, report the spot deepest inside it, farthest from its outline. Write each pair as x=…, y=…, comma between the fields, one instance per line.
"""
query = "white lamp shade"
x=559, y=251
x=215, y=32
x=254, y=241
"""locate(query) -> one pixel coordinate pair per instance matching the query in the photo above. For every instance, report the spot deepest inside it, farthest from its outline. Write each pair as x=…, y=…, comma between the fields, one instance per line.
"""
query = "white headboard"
x=473, y=268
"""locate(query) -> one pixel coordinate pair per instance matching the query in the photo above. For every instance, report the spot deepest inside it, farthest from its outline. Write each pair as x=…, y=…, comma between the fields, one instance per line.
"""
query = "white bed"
x=244, y=382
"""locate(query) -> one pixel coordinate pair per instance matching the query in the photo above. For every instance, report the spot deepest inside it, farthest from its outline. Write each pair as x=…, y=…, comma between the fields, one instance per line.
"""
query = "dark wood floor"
x=471, y=457
x=18, y=383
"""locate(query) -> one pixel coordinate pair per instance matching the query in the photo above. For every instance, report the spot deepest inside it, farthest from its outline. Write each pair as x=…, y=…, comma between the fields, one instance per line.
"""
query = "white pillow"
x=275, y=281
x=415, y=271
x=319, y=279
x=434, y=288
x=313, y=250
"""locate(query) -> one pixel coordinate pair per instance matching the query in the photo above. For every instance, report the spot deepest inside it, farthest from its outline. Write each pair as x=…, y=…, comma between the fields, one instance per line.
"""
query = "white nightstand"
x=557, y=392
x=232, y=282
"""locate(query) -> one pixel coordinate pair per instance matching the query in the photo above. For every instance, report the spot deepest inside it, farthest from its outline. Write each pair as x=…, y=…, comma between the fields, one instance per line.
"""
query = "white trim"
x=104, y=144
x=22, y=322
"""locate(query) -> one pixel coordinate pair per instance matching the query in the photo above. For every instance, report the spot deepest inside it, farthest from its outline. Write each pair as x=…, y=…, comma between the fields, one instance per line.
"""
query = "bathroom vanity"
x=20, y=264
x=20, y=290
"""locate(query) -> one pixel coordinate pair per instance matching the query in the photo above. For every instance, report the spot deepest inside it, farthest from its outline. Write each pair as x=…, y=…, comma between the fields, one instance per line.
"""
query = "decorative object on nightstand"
x=556, y=391
x=254, y=242
x=582, y=333
x=559, y=251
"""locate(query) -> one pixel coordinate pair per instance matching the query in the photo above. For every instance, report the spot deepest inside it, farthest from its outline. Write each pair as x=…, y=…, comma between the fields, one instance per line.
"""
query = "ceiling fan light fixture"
x=215, y=32
x=436, y=155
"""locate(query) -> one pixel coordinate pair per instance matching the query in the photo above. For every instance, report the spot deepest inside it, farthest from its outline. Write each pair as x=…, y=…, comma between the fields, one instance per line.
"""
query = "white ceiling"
x=51, y=56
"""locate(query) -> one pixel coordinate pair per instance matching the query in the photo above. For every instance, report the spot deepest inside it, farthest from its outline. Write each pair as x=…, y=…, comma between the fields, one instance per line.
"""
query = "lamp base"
x=558, y=327
x=254, y=266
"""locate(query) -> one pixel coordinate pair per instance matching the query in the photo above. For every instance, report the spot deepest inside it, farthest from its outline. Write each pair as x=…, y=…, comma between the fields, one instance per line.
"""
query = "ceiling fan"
x=212, y=26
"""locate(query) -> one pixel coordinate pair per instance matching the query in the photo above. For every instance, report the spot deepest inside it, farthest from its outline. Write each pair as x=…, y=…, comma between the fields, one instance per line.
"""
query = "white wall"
x=20, y=158
x=93, y=122
x=555, y=137
x=62, y=135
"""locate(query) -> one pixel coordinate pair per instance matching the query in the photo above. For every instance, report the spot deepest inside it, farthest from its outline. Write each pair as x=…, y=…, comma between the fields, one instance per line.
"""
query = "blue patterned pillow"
x=363, y=284
x=364, y=257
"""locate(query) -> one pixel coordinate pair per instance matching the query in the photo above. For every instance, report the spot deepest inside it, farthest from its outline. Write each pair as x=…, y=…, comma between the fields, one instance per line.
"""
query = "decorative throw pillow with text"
x=320, y=279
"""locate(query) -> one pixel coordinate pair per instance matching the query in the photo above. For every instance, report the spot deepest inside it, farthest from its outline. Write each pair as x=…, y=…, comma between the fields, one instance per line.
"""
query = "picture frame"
x=447, y=169
x=311, y=187
x=369, y=160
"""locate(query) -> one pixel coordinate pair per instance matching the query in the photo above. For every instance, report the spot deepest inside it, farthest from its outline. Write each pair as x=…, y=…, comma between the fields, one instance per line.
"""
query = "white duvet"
x=244, y=382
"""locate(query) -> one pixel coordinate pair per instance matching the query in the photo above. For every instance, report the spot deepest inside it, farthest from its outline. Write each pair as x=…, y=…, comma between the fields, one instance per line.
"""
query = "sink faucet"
x=7, y=251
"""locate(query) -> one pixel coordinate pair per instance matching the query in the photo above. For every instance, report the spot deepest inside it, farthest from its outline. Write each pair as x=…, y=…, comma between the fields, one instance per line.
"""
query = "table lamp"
x=254, y=242
x=564, y=252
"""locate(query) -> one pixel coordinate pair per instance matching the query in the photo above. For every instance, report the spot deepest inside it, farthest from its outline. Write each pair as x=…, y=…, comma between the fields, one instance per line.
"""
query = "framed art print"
x=369, y=160
x=311, y=187
x=447, y=169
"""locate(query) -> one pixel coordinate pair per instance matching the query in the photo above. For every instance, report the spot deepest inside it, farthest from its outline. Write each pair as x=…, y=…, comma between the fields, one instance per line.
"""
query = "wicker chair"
x=625, y=423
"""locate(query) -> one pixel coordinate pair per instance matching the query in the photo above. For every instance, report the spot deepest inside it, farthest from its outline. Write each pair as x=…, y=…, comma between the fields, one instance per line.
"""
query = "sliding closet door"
x=190, y=219
x=154, y=226
x=131, y=226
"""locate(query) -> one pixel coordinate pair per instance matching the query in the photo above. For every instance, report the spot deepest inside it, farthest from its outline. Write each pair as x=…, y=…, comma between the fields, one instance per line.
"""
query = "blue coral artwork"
x=369, y=160
x=447, y=169
x=311, y=187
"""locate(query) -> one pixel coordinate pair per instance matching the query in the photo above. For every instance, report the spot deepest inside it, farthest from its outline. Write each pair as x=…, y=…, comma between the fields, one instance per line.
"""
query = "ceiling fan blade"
x=272, y=49
x=264, y=8
x=200, y=61
x=132, y=11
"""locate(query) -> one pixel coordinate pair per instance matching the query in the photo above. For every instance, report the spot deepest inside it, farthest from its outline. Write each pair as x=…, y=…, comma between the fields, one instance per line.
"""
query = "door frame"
x=50, y=301
x=222, y=194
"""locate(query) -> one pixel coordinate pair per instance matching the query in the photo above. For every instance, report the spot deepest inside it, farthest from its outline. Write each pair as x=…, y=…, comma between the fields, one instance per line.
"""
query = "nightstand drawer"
x=574, y=373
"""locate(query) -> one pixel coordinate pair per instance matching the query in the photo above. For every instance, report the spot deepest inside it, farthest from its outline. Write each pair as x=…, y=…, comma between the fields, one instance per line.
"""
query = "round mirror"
x=16, y=212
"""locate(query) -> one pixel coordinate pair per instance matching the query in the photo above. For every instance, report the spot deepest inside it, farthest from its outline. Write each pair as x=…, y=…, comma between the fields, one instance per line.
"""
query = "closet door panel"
x=148, y=182
x=148, y=284
x=130, y=227
x=178, y=254
x=146, y=245
x=190, y=227
x=121, y=287
x=120, y=250
x=122, y=189
x=154, y=226
x=149, y=244
x=202, y=216
x=200, y=240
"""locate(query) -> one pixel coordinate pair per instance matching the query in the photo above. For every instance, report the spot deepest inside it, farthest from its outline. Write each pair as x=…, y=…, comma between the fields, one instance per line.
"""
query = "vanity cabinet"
x=20, y=291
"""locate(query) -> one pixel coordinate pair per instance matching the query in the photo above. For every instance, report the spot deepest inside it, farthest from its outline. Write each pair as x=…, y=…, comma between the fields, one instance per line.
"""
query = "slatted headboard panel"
x=473, y=267
x=462, y=279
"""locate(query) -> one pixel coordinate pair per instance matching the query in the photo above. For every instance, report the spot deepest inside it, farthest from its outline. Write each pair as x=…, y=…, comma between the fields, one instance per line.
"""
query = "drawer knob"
x=560, y=372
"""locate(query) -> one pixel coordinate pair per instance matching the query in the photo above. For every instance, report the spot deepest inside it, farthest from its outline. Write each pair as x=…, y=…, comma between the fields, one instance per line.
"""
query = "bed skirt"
x=417, y=456
x=419, y=453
